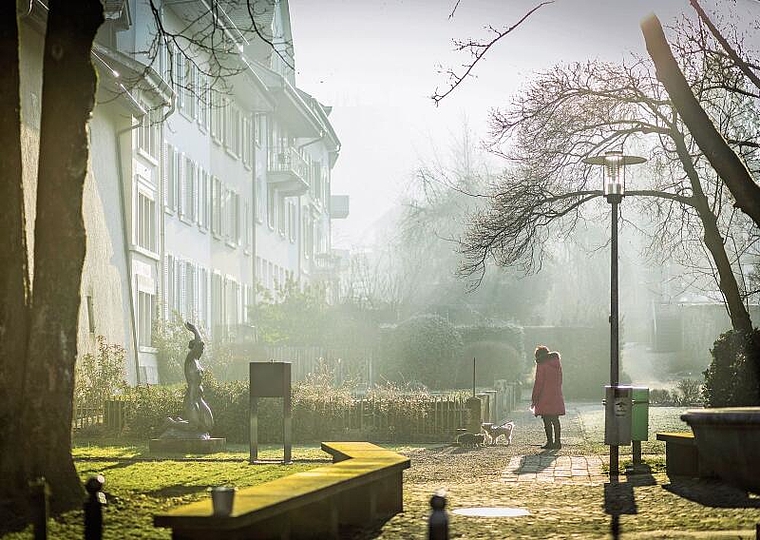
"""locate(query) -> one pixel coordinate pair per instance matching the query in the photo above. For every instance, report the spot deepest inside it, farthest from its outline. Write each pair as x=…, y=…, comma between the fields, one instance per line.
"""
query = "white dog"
x=493, y=432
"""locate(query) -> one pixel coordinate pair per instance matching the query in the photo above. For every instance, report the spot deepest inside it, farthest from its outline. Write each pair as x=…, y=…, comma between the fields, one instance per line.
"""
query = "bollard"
x=438, y=524
x=93, y=508
x=39, y=493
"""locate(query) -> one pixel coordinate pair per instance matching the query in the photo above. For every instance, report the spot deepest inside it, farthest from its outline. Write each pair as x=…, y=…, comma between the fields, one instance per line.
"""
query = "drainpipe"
x=125, y=243
x=125, y=233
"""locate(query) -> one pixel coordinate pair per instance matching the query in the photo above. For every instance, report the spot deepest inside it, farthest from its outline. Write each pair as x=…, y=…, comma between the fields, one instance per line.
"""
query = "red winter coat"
x=547, y=390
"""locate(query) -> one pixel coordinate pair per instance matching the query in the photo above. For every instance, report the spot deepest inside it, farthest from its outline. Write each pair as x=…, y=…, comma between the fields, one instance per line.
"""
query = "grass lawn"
x=140, y=484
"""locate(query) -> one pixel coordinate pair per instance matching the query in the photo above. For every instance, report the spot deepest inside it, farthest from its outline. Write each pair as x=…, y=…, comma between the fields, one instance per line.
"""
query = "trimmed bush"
x=734, y=373
x=424, y=349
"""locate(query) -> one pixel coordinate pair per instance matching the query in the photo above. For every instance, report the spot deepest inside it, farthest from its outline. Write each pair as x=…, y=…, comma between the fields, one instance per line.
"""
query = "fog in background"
x=377, y=63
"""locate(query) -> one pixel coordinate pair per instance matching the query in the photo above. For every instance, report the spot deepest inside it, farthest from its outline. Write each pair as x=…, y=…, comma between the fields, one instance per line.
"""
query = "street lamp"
x=613, y=182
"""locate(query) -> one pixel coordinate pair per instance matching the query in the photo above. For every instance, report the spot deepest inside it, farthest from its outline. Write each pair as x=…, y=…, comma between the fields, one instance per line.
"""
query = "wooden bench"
x=682, y=456
x=362, y=485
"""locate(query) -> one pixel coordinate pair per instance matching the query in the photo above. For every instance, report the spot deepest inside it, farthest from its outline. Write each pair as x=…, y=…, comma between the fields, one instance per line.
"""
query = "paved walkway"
x=562, y=493
x=554, y=468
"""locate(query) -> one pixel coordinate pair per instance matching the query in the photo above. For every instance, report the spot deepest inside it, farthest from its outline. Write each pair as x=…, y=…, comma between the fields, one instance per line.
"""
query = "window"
x=203, y=307
x=292, y=220
x=271, y=201
x=216, y=206
x=307, y=235
x=217, y=116
x=259, y=127
x=179, y=76
x=168, y=285
x=232, y=302
x=247, y=227
x=189, y=194
x=167, y=173
x=147, y=135
x=246, y=143
x=258, y=276
x=260, y=202
x=282, y=216
x=203, y=198
x=191, y=89
x=232, y=129
x=190, y=287
x=145, y=221
x=230, y=216
x=204, y=103
x=217, y=305
x=145, y=307
x=234, y=216
x=163, y=59
x=315, y=185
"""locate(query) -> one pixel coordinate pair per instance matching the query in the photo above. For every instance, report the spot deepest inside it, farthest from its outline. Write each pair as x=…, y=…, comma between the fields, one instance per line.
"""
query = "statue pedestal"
x=187, y=446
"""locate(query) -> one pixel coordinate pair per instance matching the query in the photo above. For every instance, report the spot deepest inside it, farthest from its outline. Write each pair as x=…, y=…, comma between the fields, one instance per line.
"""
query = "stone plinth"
x=728, y=440
x=188, y=446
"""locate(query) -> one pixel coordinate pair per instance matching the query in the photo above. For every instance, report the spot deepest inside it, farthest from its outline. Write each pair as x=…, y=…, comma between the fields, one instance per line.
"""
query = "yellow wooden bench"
x=362, y=485
x=682, y=456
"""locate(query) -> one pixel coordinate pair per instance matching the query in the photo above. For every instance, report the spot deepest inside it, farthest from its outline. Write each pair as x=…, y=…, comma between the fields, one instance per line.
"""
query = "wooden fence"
x=111, y=413
x=399, y=417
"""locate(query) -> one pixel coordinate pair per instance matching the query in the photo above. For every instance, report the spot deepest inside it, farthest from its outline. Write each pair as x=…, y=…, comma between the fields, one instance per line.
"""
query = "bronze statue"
x=198, y=420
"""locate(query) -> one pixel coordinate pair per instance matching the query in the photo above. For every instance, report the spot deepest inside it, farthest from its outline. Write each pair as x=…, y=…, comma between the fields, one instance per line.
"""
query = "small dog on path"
x=493, y=432
x=470, y=440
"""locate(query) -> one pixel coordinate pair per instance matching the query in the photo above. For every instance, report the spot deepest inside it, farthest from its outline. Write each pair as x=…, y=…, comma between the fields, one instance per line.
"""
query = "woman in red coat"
x=547, y=401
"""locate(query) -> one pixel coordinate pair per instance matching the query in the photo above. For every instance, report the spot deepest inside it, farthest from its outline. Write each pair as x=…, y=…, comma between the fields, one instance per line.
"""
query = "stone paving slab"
x=553, y=468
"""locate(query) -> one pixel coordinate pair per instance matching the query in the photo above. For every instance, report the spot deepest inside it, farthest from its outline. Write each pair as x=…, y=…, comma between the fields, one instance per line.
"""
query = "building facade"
x=209, y=182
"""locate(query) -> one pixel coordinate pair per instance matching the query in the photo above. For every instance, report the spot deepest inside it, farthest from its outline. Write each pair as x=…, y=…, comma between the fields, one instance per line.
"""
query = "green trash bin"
x=640, y=413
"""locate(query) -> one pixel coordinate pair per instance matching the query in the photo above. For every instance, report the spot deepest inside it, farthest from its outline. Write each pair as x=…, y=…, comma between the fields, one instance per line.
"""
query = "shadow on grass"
x=177, y=490
x=711, y=492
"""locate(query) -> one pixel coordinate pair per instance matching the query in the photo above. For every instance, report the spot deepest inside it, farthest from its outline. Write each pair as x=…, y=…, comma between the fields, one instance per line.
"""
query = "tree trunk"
x=724, y=160
x=14, y=273
x=740, y=319
x=68, y=95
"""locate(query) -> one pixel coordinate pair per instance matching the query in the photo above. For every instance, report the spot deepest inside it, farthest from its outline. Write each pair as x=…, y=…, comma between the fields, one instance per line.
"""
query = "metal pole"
x=473, y=376
x=614, y=349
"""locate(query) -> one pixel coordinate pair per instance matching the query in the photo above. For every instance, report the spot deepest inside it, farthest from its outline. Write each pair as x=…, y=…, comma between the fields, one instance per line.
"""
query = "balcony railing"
x=287, y=171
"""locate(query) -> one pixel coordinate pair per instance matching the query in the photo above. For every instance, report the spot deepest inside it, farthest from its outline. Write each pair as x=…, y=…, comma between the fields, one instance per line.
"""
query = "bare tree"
x=711, y=141
x=573, y=112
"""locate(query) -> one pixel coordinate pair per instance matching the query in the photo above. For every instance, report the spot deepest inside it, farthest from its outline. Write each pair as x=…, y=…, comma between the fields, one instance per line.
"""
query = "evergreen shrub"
x=733, y=377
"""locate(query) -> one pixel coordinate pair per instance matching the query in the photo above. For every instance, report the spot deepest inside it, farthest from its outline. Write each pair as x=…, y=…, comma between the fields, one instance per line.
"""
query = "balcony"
x=326, y=265
x=287, y=171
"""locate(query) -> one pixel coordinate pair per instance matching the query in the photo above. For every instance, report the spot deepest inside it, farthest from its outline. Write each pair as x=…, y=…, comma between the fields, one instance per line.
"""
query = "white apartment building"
x=205, y=182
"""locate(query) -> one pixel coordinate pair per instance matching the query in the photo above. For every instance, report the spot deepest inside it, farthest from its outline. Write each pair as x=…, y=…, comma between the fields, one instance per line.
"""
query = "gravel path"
x=566, y=493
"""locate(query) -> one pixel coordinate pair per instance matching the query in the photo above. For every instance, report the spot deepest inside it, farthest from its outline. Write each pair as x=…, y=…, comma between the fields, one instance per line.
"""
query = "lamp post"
x=613, y=182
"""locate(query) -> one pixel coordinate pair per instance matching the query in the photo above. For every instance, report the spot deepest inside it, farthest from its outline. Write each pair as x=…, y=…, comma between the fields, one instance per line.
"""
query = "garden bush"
x=498, y=351
x=424, y=349
x=732, y=378
x=320, y=411
x=101, y=375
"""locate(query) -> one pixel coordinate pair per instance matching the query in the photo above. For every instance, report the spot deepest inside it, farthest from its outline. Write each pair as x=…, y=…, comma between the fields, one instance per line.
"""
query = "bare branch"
x=478, y=49
x=740, y=63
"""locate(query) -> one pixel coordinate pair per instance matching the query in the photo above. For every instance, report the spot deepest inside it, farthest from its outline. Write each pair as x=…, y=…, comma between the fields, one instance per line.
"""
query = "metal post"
x=39, y=494
x=93, y=508
x=614, y=348
x=438, y=523
x=473, y=376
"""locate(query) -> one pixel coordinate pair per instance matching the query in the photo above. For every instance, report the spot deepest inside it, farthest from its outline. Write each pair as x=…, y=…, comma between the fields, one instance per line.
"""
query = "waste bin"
x=618, y=405
x=640, y=413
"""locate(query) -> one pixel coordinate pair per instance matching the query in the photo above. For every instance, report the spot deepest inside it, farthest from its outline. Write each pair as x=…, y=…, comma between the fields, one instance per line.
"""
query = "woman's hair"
x=541, y=352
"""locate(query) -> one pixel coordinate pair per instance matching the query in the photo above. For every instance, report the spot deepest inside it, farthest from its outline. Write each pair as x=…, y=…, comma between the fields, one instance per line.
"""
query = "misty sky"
x=375, y=62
